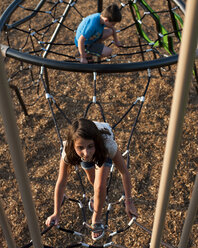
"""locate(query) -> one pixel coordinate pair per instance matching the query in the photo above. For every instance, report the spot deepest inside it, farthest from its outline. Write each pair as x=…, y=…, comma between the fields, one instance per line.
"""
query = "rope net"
x=96, y=97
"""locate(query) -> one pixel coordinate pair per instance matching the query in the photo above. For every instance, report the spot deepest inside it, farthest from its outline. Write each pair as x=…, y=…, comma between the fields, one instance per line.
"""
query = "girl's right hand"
x=53, y=219
x=131, y=209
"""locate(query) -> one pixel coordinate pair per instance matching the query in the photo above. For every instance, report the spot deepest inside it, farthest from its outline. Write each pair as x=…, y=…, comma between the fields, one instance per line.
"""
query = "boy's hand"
x=83, y=60
x=118, y=43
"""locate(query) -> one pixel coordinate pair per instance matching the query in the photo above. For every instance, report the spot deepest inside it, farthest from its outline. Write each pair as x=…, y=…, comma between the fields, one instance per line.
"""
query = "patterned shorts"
x=94, y=49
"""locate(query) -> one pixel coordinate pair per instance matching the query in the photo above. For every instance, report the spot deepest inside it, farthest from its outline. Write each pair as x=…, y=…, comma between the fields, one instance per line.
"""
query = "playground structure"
x=93, y=68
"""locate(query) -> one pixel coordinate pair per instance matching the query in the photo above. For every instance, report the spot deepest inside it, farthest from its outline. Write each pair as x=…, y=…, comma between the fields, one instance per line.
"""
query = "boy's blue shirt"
x=90, y=28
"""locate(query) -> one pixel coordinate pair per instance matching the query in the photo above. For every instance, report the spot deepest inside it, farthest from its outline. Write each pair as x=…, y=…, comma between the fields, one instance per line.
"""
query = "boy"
x=96, y=28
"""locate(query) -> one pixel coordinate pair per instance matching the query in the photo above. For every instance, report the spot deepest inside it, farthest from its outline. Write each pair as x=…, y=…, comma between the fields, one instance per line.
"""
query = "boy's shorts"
x=95, y=48
x=89, y=165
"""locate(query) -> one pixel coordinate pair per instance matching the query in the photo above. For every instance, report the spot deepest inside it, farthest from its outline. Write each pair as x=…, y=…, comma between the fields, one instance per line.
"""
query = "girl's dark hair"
x=112, y=13
x=86, y=129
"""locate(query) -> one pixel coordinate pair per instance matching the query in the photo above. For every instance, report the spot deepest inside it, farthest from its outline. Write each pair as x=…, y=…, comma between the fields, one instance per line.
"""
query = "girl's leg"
x=101, y=175
x=98, y=178
x=90, y=175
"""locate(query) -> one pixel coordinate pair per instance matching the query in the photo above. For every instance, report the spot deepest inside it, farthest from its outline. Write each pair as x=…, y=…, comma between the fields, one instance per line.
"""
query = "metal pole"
x=9, y=120
x=180, y=97
x=54, y=35
x=192, y=210
x=6, y=228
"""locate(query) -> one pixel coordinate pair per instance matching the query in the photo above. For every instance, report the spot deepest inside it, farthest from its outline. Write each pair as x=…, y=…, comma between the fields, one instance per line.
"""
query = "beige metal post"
x=180, y=97
x=9, y=120
x=192, y=210
x=6, y=228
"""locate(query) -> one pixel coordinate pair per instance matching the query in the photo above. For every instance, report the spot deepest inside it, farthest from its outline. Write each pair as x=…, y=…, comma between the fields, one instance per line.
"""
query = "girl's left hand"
x=130, y=209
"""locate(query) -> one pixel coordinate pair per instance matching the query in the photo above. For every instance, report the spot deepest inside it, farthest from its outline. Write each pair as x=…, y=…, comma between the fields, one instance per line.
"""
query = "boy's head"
x=112, y=13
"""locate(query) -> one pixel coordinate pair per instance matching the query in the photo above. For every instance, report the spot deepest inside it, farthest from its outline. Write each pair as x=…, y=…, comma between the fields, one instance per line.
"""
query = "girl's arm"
x=59, y=192
x=126, y=180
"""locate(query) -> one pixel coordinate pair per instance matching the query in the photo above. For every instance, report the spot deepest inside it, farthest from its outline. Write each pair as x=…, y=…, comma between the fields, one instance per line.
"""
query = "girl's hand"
x=53, y=219
x=130, y=209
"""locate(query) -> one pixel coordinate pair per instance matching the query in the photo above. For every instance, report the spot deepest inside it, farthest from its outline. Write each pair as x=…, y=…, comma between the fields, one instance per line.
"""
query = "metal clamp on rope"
x=94, y=75
x=125, y=153
x=33, y=33
x=55, y=20
x=72, y=4
x=131, y=221
x=112, y=234
x=84, y=245
x=112, y=168
x=80, y=204
x=78, y=233
x=121, y=198
x=109, y=207
x=149, y=50
x=94, y=99
x=149, y=72
x=113, y=56
x=141, y=99
x=108, y=244
x=48, y=96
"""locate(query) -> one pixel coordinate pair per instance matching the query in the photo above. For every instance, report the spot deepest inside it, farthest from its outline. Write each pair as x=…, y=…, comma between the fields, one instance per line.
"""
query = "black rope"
x=137, y=117
x=174, y=22
x=132, y=105
x=15, y=88
x=43, y=232
x=16, y=3
x=94, y=102
x=52, y=112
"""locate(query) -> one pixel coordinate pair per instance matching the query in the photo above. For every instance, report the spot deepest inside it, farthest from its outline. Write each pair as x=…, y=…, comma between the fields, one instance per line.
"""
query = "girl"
x=92, y=145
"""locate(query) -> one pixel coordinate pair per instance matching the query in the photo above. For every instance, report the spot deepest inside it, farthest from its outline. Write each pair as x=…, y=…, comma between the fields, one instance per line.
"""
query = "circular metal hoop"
x=75, y=66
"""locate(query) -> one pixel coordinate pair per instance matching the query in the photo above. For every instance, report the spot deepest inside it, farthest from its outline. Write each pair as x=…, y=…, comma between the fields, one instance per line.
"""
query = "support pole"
x=6, y=228
x=11, y=131
x=180, y=97
x=192, y=210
